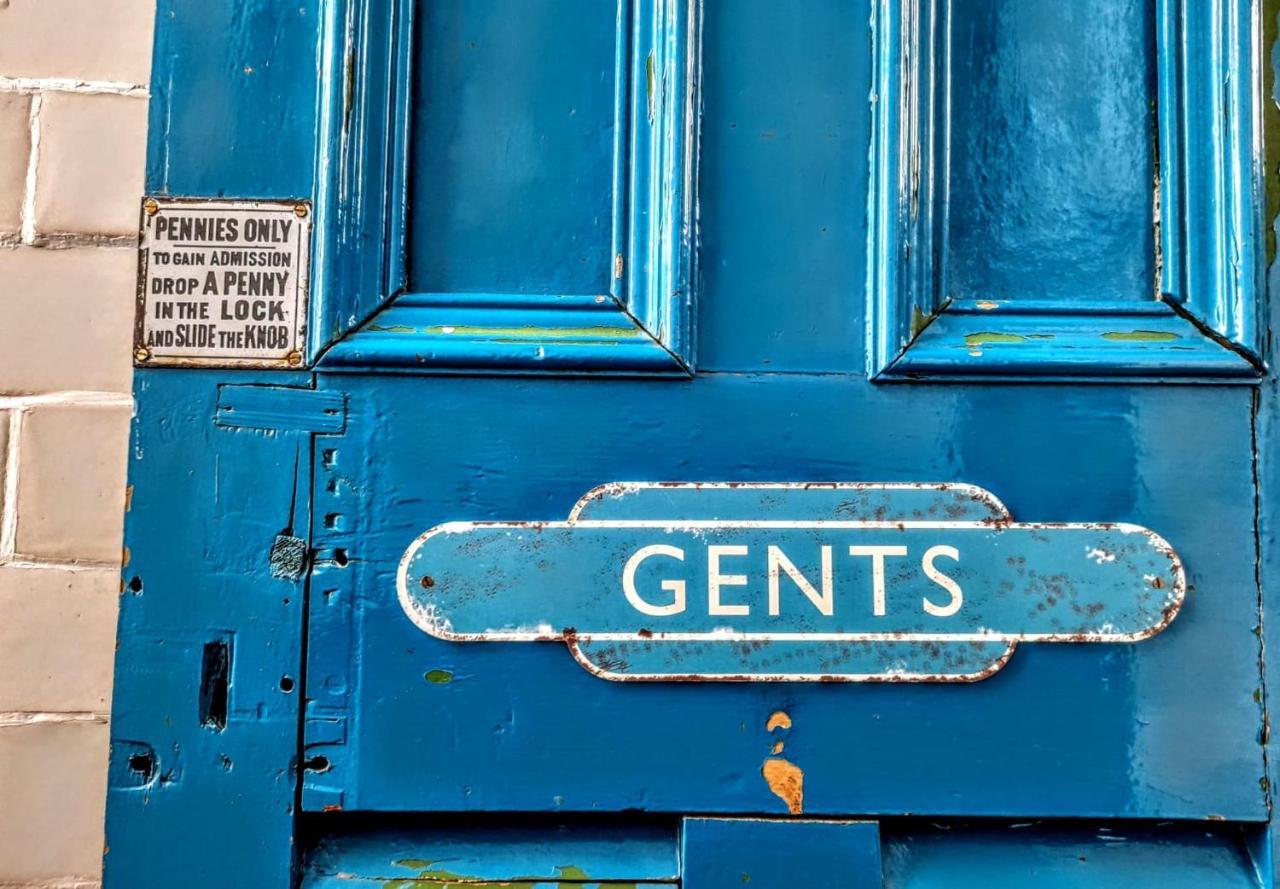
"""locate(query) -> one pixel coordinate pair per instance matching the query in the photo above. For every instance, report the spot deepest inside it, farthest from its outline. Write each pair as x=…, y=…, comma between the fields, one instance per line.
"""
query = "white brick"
x=83, y=39
x=68, y=318
x=53, y=783
x=71, y=480
x=57, y=638
x=92, y=160
x=15, y=149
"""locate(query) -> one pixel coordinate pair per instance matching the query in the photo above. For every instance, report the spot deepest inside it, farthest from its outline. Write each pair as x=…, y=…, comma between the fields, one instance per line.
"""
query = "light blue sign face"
x=821, y=582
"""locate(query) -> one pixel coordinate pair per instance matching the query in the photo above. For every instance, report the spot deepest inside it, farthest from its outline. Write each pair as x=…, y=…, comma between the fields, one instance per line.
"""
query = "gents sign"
x=223, y=282
x=793, y=582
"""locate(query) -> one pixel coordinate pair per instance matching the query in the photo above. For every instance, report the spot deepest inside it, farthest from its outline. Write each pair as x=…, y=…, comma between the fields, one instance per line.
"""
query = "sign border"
x=296, y=359
x=426, y=620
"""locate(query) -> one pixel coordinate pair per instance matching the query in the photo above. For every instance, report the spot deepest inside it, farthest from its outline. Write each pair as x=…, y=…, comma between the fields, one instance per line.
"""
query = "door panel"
x=1062, y=730
x=517, y=107
x=1052, y=165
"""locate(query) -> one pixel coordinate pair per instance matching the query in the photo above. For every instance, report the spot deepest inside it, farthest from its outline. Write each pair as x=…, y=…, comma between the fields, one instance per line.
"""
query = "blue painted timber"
x=779, y=189
x=456, y=852
x=208, y=682
x=729, y=853
x=1047, y=856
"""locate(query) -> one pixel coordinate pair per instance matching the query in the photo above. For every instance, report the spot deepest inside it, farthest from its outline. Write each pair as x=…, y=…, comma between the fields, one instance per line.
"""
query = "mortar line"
x=70, y=397
x=16, y=718
x=70, y=85
x=9, y=514
x=28, y=212
x=30, y=563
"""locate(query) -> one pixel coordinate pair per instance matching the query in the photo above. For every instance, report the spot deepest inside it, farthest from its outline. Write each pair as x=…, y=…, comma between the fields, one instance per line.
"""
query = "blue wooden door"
x=993, y=265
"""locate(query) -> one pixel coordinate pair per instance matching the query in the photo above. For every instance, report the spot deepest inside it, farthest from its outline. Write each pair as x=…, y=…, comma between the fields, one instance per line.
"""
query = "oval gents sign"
x=791, y=582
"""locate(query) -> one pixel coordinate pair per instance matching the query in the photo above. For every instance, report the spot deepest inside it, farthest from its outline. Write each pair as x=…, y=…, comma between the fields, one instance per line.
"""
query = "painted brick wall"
x=73, y=103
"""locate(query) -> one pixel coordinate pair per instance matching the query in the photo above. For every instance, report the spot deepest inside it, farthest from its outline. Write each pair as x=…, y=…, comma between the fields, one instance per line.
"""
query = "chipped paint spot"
x=919, y=321
x=428, y=874
x=786, y=781
x=650, y=86
x=987, y=337
x=394, y=328
x=987, y=305
x=438, y=677
x=1141, y=336
x=1101, y=556
x=785, y=778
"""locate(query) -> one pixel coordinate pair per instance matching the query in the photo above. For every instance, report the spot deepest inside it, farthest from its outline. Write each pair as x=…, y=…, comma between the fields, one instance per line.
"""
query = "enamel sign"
x=791, y=582
x=223, y=283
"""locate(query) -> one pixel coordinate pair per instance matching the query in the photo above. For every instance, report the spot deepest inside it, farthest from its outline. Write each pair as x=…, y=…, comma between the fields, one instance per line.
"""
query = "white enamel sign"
x=223, y=283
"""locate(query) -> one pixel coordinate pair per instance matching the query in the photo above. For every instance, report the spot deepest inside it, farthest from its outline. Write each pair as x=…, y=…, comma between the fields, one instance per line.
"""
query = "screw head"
x=141, y=354
x=150, y=206
x=300, y=210
x=294, y=358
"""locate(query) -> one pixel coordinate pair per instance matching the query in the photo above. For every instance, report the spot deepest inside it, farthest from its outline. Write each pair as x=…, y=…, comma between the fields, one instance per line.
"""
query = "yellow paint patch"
x=987, y=337
x=1141, y=336
x=778, y=720
x=786, y=780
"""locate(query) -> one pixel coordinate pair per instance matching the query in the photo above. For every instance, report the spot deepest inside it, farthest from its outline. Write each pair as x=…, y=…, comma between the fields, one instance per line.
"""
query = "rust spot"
x=786, y=780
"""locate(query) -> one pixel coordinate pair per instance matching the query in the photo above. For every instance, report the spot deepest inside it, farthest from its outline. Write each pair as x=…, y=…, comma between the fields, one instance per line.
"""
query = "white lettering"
x=778, y=561
x=675, y=587
x=716, y=580
x=878, y=555
x=942, y=580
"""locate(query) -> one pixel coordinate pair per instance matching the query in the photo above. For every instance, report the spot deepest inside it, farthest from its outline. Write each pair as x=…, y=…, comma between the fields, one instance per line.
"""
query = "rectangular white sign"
x=223, y=282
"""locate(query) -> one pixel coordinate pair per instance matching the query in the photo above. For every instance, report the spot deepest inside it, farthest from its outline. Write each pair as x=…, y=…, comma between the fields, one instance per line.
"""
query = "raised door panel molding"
x=1174, y=296
x=372, y=308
